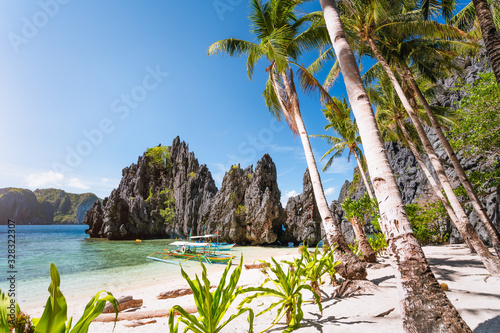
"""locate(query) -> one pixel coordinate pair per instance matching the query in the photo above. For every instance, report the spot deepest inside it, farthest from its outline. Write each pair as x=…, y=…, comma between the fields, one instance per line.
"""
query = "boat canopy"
x=205, y=236
x=182, y=243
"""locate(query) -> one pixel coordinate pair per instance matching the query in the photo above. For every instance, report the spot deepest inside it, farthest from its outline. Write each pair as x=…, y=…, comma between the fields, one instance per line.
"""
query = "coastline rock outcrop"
x=181, y=198
x=43, y=206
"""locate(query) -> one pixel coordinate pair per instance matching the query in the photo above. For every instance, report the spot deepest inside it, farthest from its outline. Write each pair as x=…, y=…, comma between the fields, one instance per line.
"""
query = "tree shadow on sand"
x=438, y=266
x=490, y=325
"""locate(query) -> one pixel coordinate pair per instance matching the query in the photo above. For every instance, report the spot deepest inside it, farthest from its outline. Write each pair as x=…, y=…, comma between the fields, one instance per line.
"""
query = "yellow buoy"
x=444, y=286
x=139, y=240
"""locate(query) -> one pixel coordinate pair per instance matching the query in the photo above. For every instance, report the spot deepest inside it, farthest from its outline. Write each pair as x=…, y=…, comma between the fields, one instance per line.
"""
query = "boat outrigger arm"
x=191, y=251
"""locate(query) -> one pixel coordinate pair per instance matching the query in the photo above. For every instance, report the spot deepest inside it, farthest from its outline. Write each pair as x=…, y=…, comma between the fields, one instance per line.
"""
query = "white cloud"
x=77, y=183
x=330, y=191
x=287, y=195
x=45, y=179
x=54, y=179
x=280, y=149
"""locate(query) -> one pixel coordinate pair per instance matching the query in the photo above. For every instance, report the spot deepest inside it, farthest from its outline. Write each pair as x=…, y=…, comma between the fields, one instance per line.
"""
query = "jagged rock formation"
x=47, y=206
x=245, y=210
x=302, y=219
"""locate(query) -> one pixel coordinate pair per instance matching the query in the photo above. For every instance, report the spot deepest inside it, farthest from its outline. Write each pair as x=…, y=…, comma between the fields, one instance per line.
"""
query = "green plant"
x=54, y=316
x=159, y=157
x=288, y=289
x=355, y=249
x=479, y=130
x=316, y=265
x=231, y=197
x=377, y=242
x=362, y=209
x=192, y=175
x=240, y=210
x=168, y=211
x=425, y=222
x=212, y=305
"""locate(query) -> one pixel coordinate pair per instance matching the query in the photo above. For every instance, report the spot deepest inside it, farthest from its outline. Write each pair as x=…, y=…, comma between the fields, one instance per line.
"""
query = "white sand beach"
x=475, y=294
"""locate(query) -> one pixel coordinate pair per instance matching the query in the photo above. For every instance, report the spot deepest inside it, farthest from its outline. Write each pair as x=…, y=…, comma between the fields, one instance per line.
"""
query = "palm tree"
x=373, y=25
x=490, y=33
x=391, y=118
x=282, y=38
x=425, y=307
x=348, y=138
x=420, y=54
x=428, y=56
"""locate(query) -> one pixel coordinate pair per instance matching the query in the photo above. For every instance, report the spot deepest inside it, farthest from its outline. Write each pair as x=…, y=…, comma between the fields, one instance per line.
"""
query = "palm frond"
x=311, y=85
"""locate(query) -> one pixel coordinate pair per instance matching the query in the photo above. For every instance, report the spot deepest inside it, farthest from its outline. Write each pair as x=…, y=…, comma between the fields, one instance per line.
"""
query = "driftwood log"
x=255, y=266
x=177, y=293
x=137, y=323
x=138, y=315
x=125, y=302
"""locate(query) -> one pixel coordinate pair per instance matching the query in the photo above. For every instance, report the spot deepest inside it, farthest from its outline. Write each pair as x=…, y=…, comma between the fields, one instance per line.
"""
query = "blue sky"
x=88, y=86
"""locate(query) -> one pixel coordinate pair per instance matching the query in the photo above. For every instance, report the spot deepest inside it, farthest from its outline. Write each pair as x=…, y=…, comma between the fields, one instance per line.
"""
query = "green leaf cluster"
x=288, y=287
x=158, y=157
x=168, y=210
x=425, y=222
x=362, y=209
x=54, y=318
x=240, y=210
x=479, y=129
x=212, y=305
x=316, y=266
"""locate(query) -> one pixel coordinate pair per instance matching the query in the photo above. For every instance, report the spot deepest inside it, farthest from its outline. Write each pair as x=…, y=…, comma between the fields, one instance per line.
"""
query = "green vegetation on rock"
x=159, y=157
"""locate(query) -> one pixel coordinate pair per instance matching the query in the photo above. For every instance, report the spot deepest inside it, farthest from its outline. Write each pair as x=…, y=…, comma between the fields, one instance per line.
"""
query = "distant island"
x=43, y=206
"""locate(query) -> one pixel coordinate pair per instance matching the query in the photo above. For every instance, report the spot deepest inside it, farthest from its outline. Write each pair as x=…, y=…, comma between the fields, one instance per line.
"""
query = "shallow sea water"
x=93, y=264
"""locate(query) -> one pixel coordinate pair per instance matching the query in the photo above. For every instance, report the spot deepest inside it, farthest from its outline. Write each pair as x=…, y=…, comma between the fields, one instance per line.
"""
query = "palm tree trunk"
x=366, y=249
x=363, y=175
x=478, y=206
x=465, y=228
x=491, y=36
x=425, y=307
x=432, y=182
x=351, y=268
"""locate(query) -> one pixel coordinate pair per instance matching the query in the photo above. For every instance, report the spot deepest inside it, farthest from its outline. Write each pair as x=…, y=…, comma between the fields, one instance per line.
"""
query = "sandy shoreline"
x=475, y=294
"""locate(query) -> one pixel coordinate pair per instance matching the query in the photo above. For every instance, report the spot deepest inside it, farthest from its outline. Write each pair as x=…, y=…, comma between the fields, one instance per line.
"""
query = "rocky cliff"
x=47, y=206
x=245, y=210
x=412, y=182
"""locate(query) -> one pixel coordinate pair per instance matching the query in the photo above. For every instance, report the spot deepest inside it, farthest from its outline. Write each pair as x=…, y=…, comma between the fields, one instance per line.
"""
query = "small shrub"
x=54, y=318
x=212, y=305
x=425, y=222
x=288, y=290
x=240, y=210
x=159, y=157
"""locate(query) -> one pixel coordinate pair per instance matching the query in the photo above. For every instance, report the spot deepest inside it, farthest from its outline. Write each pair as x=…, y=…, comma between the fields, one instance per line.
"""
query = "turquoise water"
x=87, y=264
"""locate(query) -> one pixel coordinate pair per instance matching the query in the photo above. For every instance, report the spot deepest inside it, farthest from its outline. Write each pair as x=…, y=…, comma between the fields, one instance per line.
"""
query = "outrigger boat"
x=216, y=246
x=191, y=251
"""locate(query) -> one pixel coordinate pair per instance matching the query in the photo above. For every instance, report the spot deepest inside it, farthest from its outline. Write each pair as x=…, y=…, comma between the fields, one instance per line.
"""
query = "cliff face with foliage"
x=47, y=206
x=412, y=183
x=180, y=197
